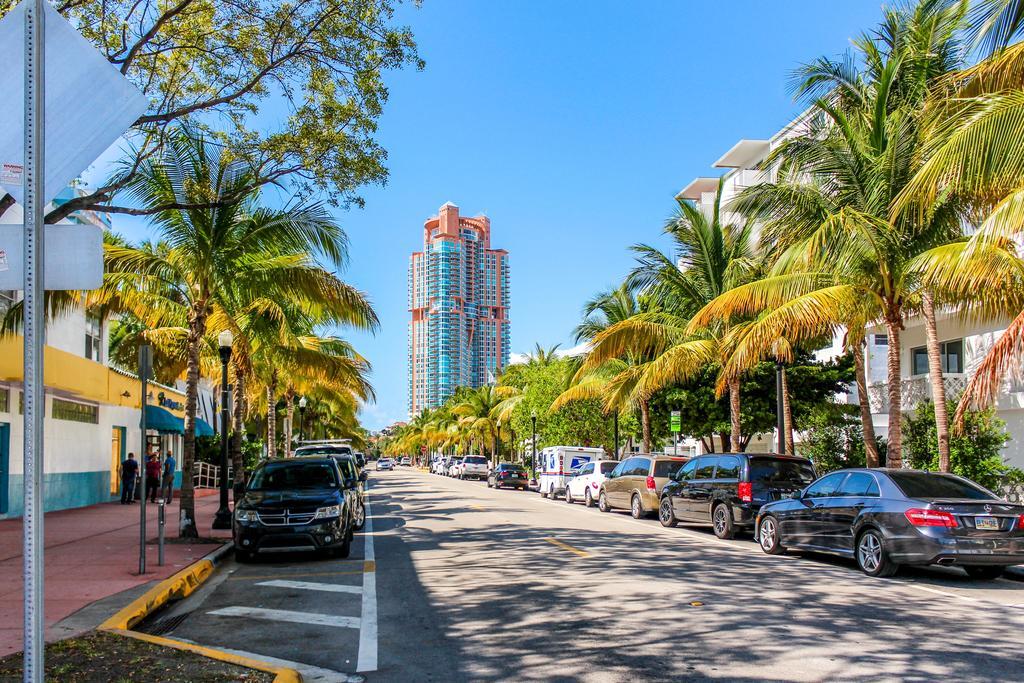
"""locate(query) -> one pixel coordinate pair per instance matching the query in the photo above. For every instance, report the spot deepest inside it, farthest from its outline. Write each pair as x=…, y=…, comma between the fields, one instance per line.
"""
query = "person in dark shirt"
x=167, y=490
x=129, y=475
x=152, y=476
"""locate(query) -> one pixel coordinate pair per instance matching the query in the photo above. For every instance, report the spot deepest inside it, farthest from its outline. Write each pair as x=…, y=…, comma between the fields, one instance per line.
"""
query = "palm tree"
x=480, y=412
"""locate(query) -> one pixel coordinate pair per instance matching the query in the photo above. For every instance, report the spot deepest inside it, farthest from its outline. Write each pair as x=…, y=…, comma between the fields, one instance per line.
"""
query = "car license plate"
x=986, y=523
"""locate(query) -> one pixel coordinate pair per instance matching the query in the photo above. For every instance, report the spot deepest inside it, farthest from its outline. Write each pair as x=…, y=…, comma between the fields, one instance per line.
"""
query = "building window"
x=951, y=353
x=881, y=340
x=93, y=338
x=5, y=400
x=75, y=412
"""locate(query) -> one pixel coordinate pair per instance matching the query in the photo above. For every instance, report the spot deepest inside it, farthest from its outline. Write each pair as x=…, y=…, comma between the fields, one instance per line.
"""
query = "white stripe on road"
x=311, y=586
x=368, y=632
x=287, y=615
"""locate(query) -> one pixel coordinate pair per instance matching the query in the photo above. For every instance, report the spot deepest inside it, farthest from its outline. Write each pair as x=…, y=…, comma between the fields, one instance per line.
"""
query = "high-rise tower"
x=459, y=299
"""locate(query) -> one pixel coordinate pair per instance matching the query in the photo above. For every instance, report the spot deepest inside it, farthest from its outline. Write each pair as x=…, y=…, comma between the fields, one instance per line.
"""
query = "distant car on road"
x=385, y=464
x=508, y=475
x=636, y=483
x=406, y=461
x=726, y=490
x=885, y=518
x=291, y=505
x=437, y=465
x=453, y=467
x=586, y=485
x=473, y=467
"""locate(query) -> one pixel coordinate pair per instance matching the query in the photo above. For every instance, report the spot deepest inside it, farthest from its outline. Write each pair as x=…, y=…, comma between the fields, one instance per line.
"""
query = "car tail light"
x=923, y=517
x=745, y=490
x=1020, y=522
x=651, y=484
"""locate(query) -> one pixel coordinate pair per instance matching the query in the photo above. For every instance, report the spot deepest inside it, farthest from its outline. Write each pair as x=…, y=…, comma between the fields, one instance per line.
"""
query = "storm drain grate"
x=161, y=627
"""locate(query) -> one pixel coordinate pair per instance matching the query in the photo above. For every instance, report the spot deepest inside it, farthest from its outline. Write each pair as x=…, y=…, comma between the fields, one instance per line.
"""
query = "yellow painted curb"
x=176, y=587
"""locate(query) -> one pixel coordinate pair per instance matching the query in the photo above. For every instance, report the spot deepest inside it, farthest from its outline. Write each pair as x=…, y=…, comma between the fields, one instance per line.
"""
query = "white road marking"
x=368, y=632
x=312, y=586
x=287, y=615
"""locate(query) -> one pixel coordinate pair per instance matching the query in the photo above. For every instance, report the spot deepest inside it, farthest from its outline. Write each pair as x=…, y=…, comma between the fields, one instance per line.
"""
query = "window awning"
x=203, y=427
x=163, y=420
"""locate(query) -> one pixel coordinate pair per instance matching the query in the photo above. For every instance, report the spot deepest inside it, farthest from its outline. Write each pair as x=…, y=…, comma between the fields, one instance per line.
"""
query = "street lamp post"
x=780, y=417
x=533, y=421
x=222, y=520
x=615, y=430
x=497, y=445
x=302, y=418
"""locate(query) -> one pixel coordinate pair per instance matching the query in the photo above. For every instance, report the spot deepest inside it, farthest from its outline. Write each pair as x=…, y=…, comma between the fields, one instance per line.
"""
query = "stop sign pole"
x=33, y=335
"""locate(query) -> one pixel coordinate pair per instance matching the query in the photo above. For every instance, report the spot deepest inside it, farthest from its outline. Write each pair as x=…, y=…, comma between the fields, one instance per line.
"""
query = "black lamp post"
x=615, y=435
x=780, y=417
x=222, y=520
x=497, y=445
x=302, y=418
x=533, y=421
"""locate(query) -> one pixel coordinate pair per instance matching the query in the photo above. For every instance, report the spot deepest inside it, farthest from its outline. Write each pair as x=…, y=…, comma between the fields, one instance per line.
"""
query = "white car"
x=385, y=464
x=406, y=461
x=587, y=483
x=453, y=467
x=473, y=467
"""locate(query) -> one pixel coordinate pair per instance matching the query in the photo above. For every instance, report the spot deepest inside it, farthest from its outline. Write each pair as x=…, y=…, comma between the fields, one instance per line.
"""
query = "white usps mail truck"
x=557, y=463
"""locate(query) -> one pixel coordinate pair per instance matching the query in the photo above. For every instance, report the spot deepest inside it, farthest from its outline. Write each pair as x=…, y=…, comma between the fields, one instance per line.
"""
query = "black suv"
x=294, y=504
x=726, y=490
x=353, y=477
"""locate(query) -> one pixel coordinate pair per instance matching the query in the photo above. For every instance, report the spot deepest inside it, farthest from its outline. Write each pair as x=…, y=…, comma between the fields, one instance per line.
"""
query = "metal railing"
x=205, y=475
x=915, y=390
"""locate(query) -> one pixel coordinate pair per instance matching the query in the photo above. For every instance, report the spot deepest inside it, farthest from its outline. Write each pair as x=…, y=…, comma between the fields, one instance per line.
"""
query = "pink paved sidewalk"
x=92, y=553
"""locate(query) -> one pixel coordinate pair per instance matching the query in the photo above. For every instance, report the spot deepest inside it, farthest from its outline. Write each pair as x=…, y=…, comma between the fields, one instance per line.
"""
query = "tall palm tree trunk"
x=935, y=375
x=787, y=414
x=289, y=398
x=866, y=421
x=272, y=415
x=196, y=331
x=734, y=414
x=645, y=422
x=236, y=428
x=894, y=453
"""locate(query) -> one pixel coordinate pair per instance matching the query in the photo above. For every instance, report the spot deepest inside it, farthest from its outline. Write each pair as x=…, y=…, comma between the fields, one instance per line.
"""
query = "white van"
x=556, y=463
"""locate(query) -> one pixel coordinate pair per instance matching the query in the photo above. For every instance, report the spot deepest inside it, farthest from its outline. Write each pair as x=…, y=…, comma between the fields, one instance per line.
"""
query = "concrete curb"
x=176, y=587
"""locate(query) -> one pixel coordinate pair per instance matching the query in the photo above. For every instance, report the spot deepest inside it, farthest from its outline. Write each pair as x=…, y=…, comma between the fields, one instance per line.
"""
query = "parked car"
x=473, y=467
x=406, y=461
x=507, y=474
x=437, y=465
x=360, y=459
x=726, y=490
x=385, y=464
x=453, y=467
x=586, y=483
x=885, y=518
x=291, y=505
x=636, y=483
x=353, y=477
x=555, y=465
x=321, y=448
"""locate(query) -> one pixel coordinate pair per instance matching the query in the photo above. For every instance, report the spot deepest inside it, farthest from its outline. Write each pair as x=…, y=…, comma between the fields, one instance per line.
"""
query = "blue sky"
x=572, y=124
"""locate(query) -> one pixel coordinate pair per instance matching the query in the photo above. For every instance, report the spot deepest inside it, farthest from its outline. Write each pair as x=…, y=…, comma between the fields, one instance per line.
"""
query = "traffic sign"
x=676, y=422
x=88, y=104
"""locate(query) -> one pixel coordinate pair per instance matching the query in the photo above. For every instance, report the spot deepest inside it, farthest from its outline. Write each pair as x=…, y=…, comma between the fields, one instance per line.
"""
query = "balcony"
x=914, y=391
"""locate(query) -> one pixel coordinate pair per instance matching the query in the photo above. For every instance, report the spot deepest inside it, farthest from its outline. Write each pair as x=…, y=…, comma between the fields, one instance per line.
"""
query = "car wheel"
x=360, y=519
x=588, y=500
x=568, y=496
x=636, y=507
x=666, y=515
x=721, y=520
x=242, y=556
x=768, y=536
x=543, y=494
x=602, y=503
x=344, y=549
x=871, y=555
x=984, y=573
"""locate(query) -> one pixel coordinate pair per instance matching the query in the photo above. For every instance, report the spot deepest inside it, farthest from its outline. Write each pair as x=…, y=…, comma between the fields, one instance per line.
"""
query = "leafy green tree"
x=833, y=438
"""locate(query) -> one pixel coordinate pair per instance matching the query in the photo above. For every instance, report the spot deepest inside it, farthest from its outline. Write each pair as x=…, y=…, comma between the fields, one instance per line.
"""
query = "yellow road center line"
x=566, y=546
x=478, y=507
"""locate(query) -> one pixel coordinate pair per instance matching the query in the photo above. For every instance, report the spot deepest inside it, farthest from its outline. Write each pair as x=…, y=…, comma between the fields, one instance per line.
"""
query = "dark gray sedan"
x=886, y=517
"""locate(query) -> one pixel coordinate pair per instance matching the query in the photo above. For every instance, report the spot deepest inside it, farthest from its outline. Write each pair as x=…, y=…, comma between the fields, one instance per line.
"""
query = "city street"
x=481, y=585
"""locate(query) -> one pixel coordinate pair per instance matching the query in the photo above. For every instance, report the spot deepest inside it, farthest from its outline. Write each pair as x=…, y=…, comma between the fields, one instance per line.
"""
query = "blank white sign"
x=73, y=257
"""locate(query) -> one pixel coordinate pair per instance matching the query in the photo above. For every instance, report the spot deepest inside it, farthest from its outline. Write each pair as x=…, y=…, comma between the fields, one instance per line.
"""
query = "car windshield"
x=933, y=485
x=347, y=467
x=777, y=470
x=283, y=476
x=667, y=468
x=476, y=459
x=607, y=467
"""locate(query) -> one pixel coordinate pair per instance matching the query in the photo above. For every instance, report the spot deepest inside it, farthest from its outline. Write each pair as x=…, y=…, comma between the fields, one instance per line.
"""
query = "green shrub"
x=975, y=453
x=834, y=438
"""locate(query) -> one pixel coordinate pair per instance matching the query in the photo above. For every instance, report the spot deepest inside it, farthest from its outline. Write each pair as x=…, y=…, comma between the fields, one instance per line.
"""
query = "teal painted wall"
x=63, y=490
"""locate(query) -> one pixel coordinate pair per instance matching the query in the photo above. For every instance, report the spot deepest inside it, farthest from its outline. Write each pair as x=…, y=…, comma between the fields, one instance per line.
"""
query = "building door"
x=117, y=447
x=5, y=465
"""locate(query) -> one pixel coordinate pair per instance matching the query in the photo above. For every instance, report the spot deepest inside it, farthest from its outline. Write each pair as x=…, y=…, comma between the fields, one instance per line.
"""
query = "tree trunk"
x=187, y=511
x=726, y=442
x=272, y=416
x=645, y=421
x=894, y=453
x=866, y=421
x=787, y=414
x=236, y=428
x=289, y=400
x=735, y=437
x=935, y=375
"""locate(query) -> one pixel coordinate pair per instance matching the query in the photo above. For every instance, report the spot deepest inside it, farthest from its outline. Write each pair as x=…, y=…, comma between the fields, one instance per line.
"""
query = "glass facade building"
x=459, y=301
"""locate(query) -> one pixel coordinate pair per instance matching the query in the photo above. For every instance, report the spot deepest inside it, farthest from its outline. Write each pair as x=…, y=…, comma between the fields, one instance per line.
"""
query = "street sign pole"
x=33, y=334
x=676, y=426
x=145, y=363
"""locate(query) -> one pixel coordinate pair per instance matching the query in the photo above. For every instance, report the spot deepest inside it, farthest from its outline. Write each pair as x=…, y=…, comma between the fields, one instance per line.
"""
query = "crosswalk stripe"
x=313, y=586
x=287, y=615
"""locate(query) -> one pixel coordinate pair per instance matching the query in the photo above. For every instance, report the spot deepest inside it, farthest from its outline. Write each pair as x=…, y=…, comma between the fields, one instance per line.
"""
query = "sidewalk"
x=92, y=553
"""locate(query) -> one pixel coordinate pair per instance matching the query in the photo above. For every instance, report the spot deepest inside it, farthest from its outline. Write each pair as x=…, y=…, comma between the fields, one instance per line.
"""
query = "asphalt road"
x=471, y=584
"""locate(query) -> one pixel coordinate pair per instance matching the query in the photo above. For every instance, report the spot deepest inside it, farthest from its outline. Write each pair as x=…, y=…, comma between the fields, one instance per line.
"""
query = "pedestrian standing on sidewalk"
x=129, y=472
x=167, y=493
x=152, y=476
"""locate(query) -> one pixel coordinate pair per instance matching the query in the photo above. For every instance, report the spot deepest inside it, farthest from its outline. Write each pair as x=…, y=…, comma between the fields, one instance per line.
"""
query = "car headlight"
x=246, y=515
x=327, y=512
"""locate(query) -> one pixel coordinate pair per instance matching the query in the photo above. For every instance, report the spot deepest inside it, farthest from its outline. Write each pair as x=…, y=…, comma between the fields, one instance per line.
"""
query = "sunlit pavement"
x=481, y=585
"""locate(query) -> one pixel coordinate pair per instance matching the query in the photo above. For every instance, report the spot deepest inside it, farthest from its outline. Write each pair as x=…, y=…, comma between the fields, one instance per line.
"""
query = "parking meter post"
x=145, y=362
x=160, y=533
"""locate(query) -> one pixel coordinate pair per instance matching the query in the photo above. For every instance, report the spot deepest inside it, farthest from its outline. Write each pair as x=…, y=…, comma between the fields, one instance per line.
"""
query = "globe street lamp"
x=302, y=418
x=222, y=520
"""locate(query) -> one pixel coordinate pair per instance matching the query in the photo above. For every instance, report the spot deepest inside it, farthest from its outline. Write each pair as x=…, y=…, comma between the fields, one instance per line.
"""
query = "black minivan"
x=726, y=490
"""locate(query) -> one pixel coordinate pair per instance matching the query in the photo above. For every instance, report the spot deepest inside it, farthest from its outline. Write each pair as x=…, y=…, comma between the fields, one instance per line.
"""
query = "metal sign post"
x=145, y=362
x=676, y=424
x=35, y=400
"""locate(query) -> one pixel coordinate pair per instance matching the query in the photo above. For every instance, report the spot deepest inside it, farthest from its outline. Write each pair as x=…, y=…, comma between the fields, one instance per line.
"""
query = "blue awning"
x=163, y=420
x=203, y=427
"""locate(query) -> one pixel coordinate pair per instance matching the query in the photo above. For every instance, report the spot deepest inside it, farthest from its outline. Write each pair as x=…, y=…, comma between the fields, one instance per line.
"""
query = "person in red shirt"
x=152, y=477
